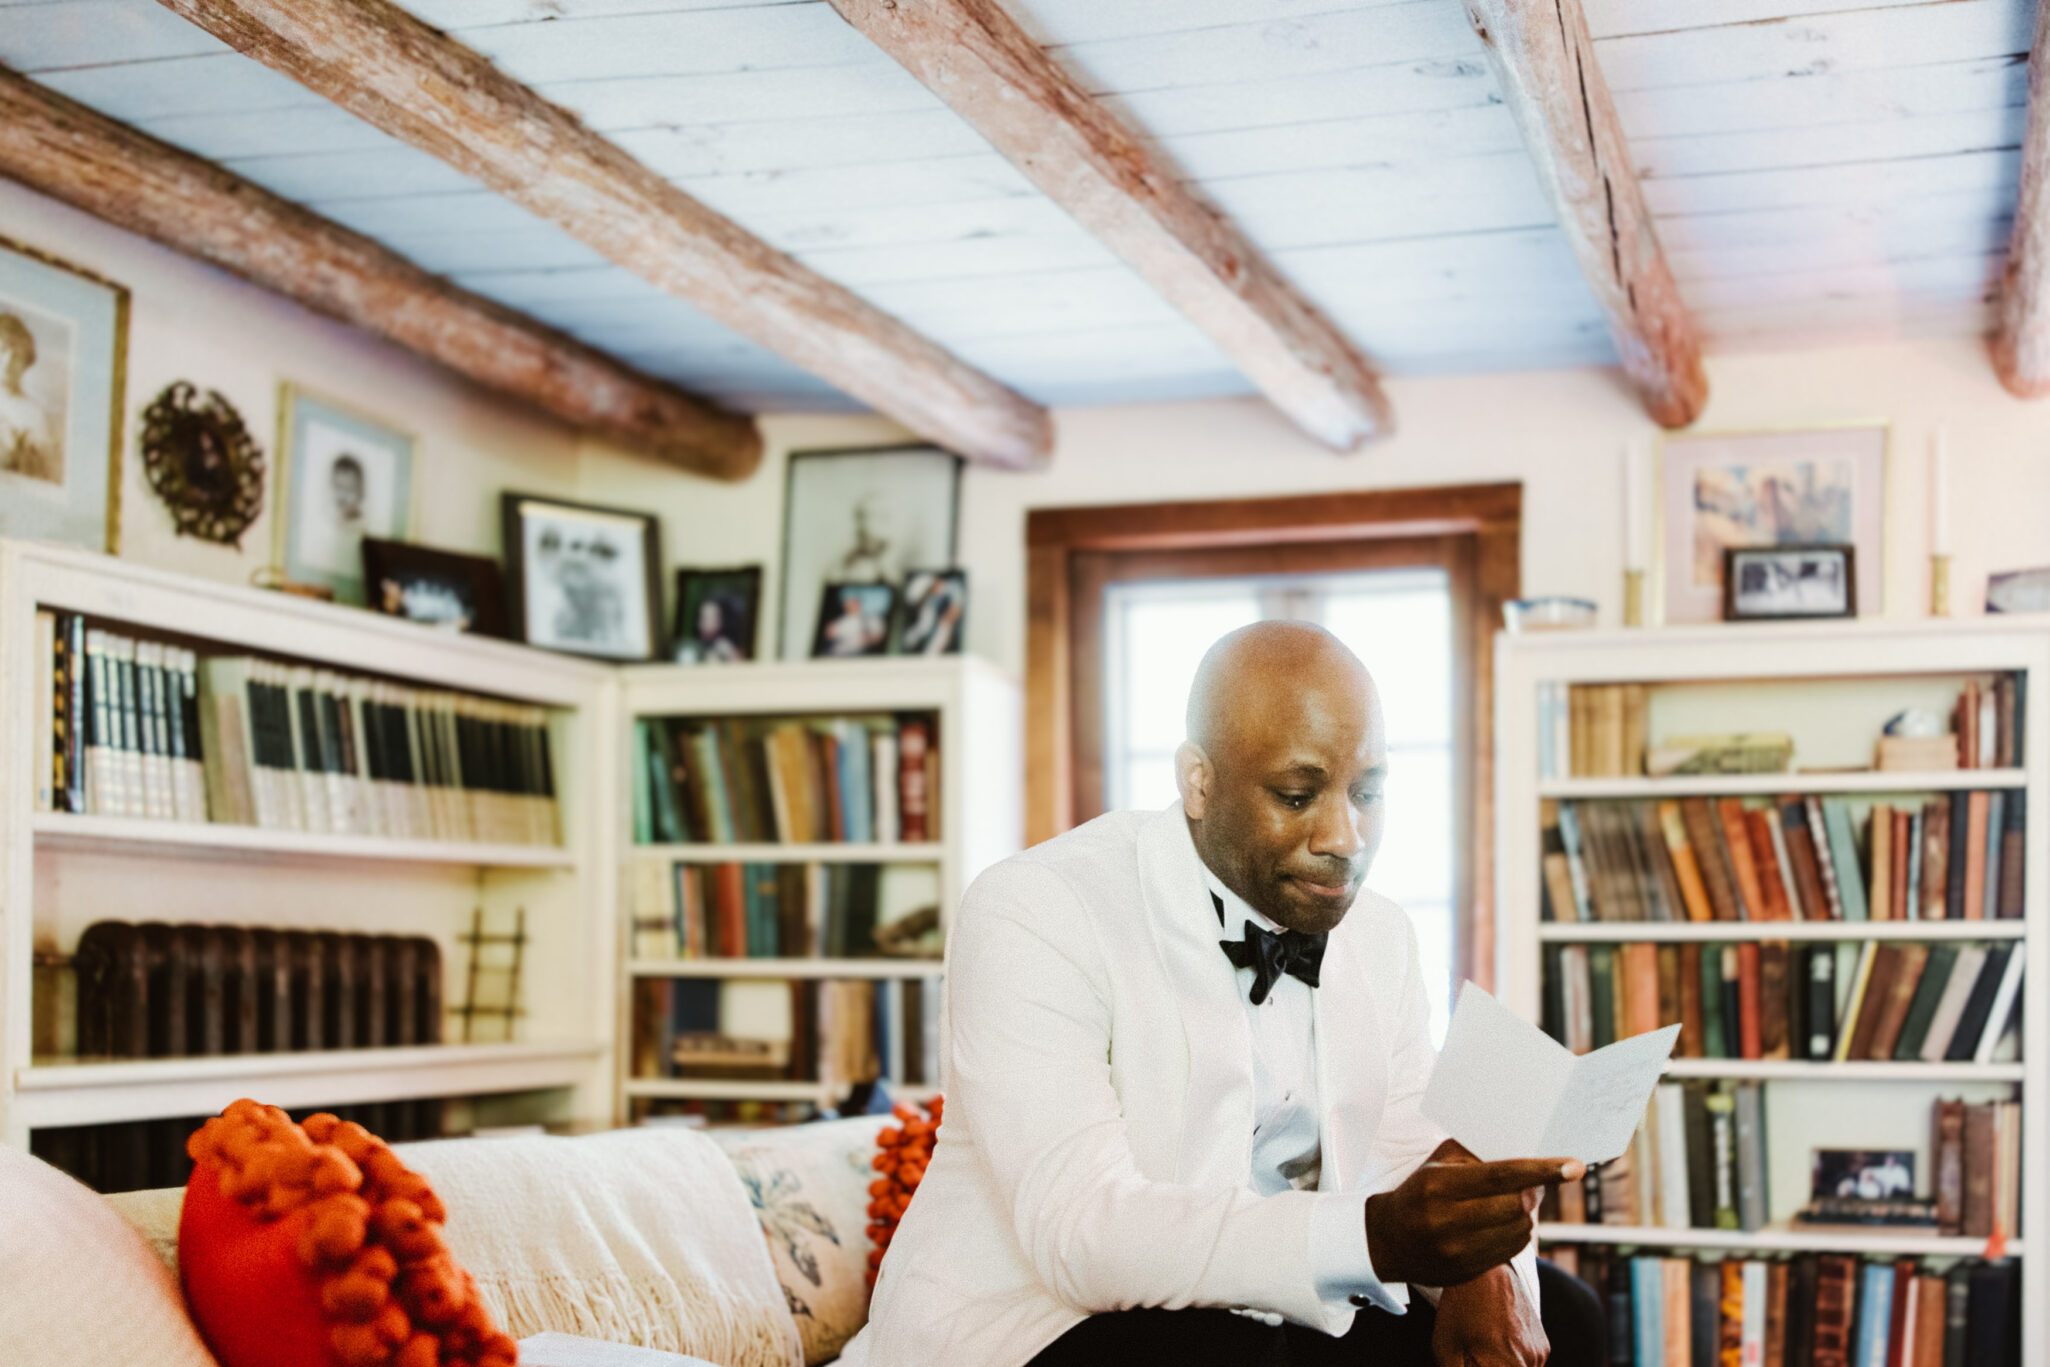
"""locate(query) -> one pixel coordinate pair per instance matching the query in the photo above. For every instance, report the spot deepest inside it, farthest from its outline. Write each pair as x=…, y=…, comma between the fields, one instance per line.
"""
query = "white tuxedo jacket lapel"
x=1352, y=1061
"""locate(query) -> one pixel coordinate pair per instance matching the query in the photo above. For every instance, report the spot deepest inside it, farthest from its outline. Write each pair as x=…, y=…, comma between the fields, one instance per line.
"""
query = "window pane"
x=1404, y=637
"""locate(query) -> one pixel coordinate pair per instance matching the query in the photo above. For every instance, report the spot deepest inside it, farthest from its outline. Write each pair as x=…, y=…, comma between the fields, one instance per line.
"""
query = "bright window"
x=1399, y=622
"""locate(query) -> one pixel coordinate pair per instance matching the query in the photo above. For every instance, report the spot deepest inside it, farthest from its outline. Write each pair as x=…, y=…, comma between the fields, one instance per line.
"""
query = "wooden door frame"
x=1490, y=515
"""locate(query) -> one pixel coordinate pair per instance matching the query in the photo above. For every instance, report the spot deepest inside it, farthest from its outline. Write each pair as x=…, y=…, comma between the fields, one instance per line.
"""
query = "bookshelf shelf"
x=1830, y=688
x=728, y=1089
x=786, y=968
x=841, y=852
x=1825, y=1239
x=52, y=1093
x=115, y=834
x=1767, y=785
x=1722, y=932
x=1778, y=1069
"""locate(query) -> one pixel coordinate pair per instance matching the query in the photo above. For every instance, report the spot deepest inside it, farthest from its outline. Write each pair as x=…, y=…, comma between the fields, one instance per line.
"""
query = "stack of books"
x=1906, y=1002
x=867, y=779
x=762, y=910
x=835, y=1032
x=1829, y=1310
x=138, y=728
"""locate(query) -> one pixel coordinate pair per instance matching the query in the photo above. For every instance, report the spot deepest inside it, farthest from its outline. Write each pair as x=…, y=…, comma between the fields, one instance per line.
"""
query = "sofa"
x=744, y=1247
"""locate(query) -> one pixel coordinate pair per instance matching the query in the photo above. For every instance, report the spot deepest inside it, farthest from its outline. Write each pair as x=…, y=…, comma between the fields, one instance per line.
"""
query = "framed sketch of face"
x=582, y=578
x=342, y=476
x=861, y=517
x=63, y=357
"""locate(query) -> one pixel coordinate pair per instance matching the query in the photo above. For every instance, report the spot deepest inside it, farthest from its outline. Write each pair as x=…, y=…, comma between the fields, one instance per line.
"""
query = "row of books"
x=1949, y=1001
x=771, y=910
x=1699, y=1161
x=1603, y=731
x=1956, y=857
x=866, y=779
x=1827, y=1310
x=143, y=729
x=837, y=1032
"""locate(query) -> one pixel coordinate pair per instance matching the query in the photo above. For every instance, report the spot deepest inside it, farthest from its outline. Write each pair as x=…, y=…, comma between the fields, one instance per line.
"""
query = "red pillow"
x=316, y=1247
x=906, y=1148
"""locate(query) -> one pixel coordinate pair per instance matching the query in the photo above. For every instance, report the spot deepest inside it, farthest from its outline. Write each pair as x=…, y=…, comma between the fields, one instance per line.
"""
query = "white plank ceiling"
x=1821, y=171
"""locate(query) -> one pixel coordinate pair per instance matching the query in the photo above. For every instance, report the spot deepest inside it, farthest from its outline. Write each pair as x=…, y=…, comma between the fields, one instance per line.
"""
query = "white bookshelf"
x=1829, y=685
x=61, y=871
x=980, y=814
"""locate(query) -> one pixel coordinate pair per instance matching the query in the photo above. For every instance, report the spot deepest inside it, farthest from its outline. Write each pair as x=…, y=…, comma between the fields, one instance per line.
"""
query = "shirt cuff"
x=1340, y=1266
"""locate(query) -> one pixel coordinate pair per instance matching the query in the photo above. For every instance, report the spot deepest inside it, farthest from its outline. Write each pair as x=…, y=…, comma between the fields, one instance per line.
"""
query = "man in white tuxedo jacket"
x=1184, y=1056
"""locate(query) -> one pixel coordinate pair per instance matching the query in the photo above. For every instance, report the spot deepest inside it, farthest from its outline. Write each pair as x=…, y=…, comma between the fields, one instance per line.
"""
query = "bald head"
x=1281, y=774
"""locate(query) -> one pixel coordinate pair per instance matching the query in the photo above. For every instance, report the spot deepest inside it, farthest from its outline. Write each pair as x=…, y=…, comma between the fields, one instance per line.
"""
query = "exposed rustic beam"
x=2021, y=339
x=111, y=171
x=971, y=54
x=1544, y=62
x=388, y=68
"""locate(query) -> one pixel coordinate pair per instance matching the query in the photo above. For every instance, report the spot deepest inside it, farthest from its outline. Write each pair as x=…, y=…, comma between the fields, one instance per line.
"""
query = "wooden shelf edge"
x=719, y=1089
x=1804, y=1070
x=827, y=852
x=1763, y=785
x=64, y=830
x=786, y=968
x=52, y=1094
x=1625, y=932
x=1828, y=1239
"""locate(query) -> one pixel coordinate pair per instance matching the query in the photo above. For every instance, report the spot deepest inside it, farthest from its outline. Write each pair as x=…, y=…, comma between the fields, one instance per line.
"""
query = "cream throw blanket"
x=637, y=1236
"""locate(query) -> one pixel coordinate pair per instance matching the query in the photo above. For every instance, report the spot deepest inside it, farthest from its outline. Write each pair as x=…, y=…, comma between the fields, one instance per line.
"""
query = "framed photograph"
x=1774, y=583
x=1866, y=1174
x=854, y=620
x=437, y=588
x=716, y=613
x=63, y=373
x=1817, y=487
x=861, y=516
x=934, y=614
x=581, y=578
x=342, y=476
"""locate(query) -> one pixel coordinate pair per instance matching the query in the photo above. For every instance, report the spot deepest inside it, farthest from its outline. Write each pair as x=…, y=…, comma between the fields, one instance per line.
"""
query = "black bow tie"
x=1270, y=954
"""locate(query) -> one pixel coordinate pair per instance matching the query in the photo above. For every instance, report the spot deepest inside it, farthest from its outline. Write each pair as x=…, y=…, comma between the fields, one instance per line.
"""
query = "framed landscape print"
x=1720, y=491
x=63, y=358
x=582, y=578
x=341, y=477
x=861, y=516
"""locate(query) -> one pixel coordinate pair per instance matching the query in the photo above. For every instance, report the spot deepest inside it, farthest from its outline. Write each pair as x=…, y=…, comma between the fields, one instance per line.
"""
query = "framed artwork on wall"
x=435, y=587
x=63, y=364
x=582, y=578
x=1718, y=491
x=934, y=613
x=861, y=517
x=342, y=476
x=716, y=613
x=854, y=620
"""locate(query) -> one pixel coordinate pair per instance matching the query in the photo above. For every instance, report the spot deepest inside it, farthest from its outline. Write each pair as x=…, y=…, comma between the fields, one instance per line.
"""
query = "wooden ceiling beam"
x=973, y=56
x=394, y=72
x=2021, y=336
x=1545, y=65
x=64, y=150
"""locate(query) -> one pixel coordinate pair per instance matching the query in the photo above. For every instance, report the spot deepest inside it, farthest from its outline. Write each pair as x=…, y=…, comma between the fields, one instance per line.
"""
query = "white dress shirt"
x=1287, y=1150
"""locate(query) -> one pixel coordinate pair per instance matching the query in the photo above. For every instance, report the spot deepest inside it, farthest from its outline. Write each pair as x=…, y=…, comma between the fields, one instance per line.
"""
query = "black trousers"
x=1572, y=1313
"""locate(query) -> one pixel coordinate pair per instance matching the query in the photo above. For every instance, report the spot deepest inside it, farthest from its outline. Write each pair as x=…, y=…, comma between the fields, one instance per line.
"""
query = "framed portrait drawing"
x=861, y=516
x=63, y=363
x=582, y=578
x=716, y=612
x=342, y=476
x=1720, y=491
x=436, y=588
x=854, y=620
x=934, y=616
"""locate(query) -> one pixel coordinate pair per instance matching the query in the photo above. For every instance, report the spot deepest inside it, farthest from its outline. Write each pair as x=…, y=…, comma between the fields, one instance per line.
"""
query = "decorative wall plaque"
x=203, y=463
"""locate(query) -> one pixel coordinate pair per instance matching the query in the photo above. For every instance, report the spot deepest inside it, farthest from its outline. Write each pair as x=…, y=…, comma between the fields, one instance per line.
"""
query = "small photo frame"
x=1819, y=486
x=342, y=476
x=63, y=372
x=581, y=578
x=433, y=587
x=716, y=615
x=1863, y=1174
x=1778, y=583
x=854, y=620
x=934, y=615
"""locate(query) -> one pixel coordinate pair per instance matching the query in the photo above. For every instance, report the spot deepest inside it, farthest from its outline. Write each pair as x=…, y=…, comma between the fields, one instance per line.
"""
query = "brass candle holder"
x=1939, y=586
x=1633, y=598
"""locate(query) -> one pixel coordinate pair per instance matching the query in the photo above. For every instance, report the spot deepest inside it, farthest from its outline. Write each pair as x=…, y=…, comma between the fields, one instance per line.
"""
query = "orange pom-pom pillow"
x=314, y=1246
x=904, y=1149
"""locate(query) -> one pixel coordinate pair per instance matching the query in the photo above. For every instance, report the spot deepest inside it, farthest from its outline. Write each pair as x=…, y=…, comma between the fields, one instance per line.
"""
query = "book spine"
x=48, y=698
